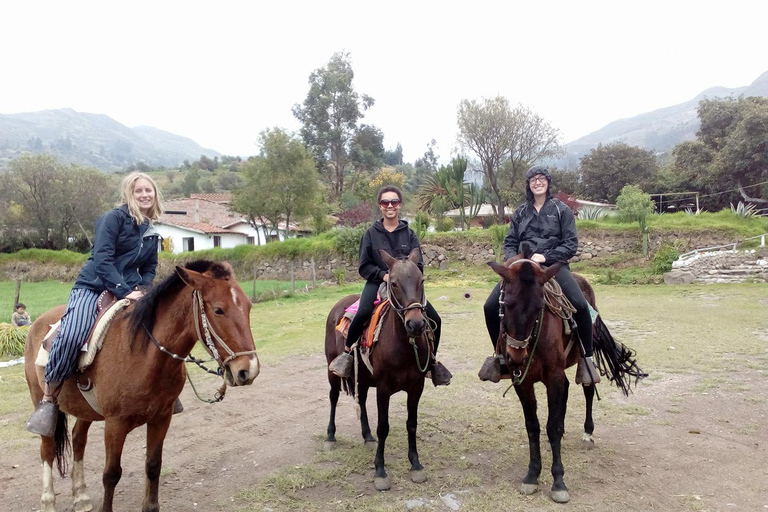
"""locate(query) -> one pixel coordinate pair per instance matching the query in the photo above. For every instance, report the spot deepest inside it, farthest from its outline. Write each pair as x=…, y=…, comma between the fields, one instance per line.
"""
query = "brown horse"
x=140, y=372
x=535, y=348
x=400, y=359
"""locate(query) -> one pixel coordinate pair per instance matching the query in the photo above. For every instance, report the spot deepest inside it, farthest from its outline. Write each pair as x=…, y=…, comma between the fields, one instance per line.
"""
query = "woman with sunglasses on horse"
x=123, y=260
x=393, y=235
x=549, y=225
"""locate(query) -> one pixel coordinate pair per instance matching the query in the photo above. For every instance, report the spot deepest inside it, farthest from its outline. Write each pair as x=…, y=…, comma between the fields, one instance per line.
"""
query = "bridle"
x=402, y=310
x=205, y=335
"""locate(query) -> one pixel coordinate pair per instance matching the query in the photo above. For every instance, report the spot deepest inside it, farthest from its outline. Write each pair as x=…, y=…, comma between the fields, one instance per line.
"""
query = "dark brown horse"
x=536, y=349
x=140, y=372
x=399, y=360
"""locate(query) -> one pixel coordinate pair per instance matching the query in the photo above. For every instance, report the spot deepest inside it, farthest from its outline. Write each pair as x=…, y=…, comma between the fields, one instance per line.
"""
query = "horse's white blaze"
x=48, y=498
x=253, y=369
x=234, y=297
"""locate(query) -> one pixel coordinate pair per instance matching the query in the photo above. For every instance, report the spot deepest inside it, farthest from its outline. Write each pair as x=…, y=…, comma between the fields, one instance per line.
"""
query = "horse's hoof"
x=561, y=496
x=587, y=441
x=329, y=445
x=83, y=504
x=382, y=483
x=371, y=444
x=418, y=476
x=529, y=489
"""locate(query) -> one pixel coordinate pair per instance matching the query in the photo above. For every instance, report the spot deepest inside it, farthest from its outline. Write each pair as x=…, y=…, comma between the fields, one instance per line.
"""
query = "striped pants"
x=77, y=321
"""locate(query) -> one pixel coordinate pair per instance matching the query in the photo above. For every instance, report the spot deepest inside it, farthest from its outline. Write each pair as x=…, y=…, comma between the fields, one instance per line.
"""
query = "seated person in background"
x=20, y=316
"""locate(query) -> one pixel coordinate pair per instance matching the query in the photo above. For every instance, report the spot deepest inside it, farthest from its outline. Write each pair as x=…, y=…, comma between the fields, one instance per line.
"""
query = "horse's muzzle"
x=517, y=356
x=242, y=370
x=415, y=324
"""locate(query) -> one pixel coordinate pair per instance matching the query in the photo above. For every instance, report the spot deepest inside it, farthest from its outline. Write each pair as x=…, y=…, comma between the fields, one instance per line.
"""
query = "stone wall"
x=728, y=266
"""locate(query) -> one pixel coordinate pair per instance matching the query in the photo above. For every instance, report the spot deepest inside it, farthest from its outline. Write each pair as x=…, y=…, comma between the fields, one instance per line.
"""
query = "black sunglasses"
x=386, y=203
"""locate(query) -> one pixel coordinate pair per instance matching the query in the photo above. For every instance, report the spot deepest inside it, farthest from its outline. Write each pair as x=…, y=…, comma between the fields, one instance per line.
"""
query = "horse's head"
x=221, y=313
x=406, y=290
x=521, y=302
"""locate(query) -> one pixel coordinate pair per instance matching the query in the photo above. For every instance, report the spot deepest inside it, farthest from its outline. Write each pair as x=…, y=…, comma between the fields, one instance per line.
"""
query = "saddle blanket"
x=370, y=334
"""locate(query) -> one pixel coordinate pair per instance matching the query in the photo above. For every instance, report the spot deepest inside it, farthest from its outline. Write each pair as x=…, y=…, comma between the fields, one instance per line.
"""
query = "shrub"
x=339, y=275
x=12, y=339
x=347, y=241
x=663, y=258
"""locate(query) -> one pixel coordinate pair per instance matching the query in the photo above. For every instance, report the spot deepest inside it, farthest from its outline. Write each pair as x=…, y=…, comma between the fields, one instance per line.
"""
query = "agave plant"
x=744, y=210
x=589, y=212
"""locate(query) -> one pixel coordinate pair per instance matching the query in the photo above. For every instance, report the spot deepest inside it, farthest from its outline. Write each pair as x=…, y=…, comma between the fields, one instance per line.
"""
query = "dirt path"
x=696, y=448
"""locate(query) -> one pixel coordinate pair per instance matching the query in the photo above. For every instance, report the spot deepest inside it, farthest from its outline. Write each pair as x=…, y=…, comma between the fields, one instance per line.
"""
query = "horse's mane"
x=144, y=310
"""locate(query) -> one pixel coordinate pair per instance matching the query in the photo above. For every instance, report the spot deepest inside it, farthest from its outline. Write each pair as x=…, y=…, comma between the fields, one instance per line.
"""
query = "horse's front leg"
x=115, y=432
x=156, y=431
x=79, y=440
x=557, y=401
x=364, y=425
x=418, y=475
x=47, y=454
x=527, y=396
x=381, y=480
x=587, y=441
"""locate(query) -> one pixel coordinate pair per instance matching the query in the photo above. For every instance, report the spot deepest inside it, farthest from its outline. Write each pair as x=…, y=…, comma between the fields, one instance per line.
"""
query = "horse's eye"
x=218, y=311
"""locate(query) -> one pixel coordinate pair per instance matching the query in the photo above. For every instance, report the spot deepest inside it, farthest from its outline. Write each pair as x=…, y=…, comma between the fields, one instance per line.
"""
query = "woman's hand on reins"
x=539, y=258
x=135, y=295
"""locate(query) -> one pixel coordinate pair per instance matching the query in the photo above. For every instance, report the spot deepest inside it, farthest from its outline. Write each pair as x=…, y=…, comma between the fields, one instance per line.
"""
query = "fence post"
x=17, y=295
x=762, y=240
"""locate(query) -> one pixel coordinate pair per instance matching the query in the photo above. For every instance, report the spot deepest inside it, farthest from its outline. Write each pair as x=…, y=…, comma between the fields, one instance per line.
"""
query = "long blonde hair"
x=126, y=197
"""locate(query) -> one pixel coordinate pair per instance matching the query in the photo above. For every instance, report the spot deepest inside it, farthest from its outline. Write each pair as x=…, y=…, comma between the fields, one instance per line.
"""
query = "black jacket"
x=123, y=257
x=398, y=243
x=551, y=231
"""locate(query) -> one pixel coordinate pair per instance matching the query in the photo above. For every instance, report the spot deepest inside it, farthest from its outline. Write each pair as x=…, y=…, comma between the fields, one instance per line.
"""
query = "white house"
x=204, y=221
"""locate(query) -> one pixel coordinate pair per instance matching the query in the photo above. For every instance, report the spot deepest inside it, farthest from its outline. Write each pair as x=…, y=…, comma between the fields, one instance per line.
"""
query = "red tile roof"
x=221, y=197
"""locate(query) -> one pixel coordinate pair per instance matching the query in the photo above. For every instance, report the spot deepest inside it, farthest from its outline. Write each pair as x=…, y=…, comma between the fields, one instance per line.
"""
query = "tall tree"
x=54, y=199
x=606, y=169
x=280, y=184
x=366, y=152
x=394, y=157
x=329, y=116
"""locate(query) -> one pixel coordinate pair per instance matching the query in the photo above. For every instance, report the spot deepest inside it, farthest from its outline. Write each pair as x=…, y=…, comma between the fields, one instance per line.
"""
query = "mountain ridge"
x=97, y=140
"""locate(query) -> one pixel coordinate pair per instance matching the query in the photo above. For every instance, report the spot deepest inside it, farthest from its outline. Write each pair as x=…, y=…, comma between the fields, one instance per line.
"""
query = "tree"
x=635, y=205
x=606, y=169
x=366, y=152
x=507, y=141
x=280, y=183
x=54, y=199
x=189, y=184
x=329, y=116
x=394, y=157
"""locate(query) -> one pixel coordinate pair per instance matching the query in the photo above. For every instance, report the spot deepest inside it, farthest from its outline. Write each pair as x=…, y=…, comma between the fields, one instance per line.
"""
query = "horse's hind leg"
x=381, y=480
x=333, y=396
x=47, y=454
x=557, y=401
x=418, y=475
x=115, y=433
x=364, y=425
x=79, y=440
x=527, y=396
x=156, y=431
x=587, y=441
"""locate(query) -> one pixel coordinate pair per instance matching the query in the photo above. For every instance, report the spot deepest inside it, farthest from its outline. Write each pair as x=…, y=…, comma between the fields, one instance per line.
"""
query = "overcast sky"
x=221, y=72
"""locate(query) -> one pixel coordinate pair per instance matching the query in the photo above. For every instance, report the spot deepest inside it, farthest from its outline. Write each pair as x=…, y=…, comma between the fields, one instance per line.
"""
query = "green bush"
x=663, y=258
x=12, y=340
x=347, y=240
x=339, y=275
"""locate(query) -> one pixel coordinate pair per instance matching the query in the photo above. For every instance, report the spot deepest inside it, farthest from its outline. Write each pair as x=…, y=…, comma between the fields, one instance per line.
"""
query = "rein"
x=400, y=310
x=208, y=334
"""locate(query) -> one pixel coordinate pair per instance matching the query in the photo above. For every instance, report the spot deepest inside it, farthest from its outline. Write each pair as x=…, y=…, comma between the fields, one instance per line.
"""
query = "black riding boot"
x=43, y=419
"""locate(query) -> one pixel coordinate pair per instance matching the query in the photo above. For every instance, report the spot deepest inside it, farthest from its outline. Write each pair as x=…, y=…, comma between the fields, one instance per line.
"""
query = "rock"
x=450, y=501
x=417, y=503
x=678, y=277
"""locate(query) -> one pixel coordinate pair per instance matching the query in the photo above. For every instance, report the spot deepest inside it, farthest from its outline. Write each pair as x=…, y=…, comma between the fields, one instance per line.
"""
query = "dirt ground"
x=699, y=448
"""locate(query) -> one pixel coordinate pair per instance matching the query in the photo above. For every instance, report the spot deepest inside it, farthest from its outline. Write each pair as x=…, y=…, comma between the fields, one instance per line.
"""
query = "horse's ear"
x=414, y=255
x=190, y=277
x=388, y=259
x=526, y=249
x=550, y=272
x=500, y=269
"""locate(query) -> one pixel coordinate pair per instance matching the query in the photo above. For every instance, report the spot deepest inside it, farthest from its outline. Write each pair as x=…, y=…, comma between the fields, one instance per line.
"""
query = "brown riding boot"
x=342, y=365
x=440, y=374
x=491, y=370
x=43, y=419
x=586, y=372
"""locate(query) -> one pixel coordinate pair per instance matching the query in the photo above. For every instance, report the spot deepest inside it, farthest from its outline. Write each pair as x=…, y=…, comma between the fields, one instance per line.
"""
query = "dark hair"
x=389, y=188
x=533, y=171
x=20, y=305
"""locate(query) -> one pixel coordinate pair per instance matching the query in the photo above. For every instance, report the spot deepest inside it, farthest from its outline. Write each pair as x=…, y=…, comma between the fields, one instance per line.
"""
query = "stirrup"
x=491, y=370
x=342, y=365
x=178, y=407
x=43, y=420
x=586, y=367
x=441, y=376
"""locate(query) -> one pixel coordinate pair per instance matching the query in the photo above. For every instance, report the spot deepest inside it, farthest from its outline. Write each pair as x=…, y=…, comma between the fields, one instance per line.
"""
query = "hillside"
x=92, y=139
x=660, y=129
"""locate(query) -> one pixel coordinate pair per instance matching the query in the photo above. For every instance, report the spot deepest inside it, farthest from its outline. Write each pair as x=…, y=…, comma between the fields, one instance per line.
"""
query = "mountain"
x=661, y=129
x=93, y=139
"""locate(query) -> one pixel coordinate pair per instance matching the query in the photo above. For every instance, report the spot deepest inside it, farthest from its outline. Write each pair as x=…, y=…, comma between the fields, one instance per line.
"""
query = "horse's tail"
x=615, y=358
x=63, y=448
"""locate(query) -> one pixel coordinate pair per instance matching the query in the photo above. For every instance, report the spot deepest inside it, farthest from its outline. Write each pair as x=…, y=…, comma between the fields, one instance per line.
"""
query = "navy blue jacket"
x=124, y=255
x=552, y=231
x=398, y=243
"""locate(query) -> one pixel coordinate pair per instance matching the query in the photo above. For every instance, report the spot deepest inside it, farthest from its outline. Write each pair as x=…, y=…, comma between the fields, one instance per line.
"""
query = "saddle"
x=107, y=306
x=372, y=327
